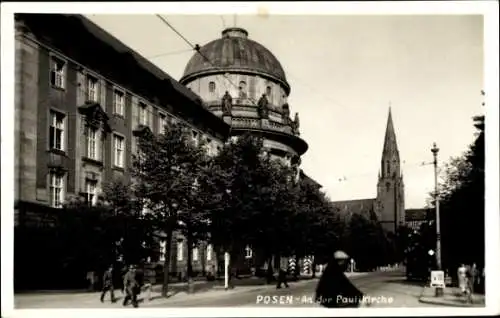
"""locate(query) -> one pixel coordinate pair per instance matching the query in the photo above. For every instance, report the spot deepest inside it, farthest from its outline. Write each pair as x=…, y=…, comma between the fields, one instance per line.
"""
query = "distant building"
x=414, y=218
x=388, y=206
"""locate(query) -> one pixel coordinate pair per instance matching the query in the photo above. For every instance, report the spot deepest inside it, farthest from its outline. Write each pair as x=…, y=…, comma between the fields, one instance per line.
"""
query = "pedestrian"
x=131, y=287
x=91, y=281
x=462, y=279
x=108, y=284
x=474, y=277
x=282, y=279
x=335, y=290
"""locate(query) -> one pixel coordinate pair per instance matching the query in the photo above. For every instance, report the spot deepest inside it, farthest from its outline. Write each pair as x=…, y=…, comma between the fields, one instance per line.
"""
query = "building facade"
x=388, y=207
x=81, y=96
x=414, y=218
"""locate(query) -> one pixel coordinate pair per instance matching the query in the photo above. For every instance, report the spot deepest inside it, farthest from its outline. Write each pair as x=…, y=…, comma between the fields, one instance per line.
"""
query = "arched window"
x=211, y=87
x=242, y=90
x=388, y=167
x=388, y=186
x=268, y=91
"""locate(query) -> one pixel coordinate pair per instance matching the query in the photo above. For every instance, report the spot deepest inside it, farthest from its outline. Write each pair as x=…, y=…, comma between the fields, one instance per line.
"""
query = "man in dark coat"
x=131, y=287
x=335, y=290
x=107, y=284
x=282, y=278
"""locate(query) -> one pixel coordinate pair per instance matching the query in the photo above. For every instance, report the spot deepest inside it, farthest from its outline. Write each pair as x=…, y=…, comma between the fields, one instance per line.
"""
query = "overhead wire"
x=197, y=48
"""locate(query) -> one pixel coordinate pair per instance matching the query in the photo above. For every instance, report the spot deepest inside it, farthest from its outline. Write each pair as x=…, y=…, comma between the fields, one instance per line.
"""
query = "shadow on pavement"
x=403, y=281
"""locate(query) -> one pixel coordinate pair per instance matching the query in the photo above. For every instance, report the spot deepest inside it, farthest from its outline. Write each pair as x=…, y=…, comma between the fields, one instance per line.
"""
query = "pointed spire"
x=390, y=144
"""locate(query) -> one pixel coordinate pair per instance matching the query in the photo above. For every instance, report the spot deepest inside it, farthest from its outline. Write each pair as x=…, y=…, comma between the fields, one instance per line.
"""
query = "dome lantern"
x=235, y=33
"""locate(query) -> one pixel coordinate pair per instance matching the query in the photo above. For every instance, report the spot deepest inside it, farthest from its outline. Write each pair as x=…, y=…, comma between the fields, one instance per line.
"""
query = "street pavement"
x=383, y=289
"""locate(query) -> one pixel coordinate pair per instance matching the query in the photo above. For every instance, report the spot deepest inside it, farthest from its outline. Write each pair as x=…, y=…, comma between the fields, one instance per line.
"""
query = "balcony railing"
x=260, y=124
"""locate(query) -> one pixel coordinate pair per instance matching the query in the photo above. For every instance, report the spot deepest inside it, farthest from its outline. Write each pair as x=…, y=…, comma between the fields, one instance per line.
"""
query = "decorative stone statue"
x=285, y=115
x=227, y=104
x=263, y=107
x=297, y=122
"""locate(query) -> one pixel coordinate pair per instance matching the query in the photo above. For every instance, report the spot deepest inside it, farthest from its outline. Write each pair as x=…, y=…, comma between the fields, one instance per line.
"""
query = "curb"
x=428, y=300
x=450, y=303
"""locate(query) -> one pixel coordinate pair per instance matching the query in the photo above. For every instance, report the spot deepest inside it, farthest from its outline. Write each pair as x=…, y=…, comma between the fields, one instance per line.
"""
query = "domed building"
x=242, y=82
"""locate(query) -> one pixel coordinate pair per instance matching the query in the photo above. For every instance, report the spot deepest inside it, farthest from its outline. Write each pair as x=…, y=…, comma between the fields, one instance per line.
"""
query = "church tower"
x=390, y=189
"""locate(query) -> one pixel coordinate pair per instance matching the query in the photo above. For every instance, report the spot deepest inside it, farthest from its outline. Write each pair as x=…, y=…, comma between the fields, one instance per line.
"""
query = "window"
x=211, y=87
x=56, y=131
x=248, y=252
x=57, y=72
x=163, y=122
x=242, y=90
x=142, y=114
x=56, y=190
x=92, y=88
x=195, y=254
x=90, y=191
x=268, y=91
x=209, y=252
x=118, y=102
x=93, y=144
x=119, y=150
x=180, y=251
x=388, y=186
x=163, y=250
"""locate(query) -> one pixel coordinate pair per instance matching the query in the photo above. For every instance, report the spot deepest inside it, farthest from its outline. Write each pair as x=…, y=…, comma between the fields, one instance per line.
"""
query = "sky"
x=344, y=72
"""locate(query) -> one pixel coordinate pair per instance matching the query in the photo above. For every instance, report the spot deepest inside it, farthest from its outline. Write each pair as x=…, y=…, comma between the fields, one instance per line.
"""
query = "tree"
x=462, y=205
x=126, y=225
x=164, y=179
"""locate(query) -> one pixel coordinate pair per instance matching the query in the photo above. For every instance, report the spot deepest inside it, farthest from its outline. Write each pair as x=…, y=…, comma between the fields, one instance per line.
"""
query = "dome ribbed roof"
x=234, y=52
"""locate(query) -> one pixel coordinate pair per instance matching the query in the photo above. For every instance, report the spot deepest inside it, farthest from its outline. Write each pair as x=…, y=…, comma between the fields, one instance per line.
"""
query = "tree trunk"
x=166, y=263
x=313, y=267
x=297, y=268
x=269, y=274
x=190, y=263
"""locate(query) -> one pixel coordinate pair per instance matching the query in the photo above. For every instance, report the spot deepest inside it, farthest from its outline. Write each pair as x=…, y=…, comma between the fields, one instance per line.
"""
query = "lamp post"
x=435, y=150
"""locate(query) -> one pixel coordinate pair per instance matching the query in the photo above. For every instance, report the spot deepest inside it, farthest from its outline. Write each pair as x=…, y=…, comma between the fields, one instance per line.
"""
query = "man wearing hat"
x=131, y=287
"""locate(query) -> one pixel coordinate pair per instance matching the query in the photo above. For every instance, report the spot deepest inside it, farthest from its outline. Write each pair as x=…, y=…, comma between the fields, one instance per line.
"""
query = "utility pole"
x=435, y=150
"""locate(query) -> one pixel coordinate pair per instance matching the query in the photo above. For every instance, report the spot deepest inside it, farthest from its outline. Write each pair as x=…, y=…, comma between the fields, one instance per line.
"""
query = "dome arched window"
x=211, y=87
x=242, y=90
x=268, y=91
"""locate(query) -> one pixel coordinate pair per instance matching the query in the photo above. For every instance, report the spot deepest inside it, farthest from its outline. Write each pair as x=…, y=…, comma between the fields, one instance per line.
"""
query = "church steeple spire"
x=390, y=189
x=390, y=153
x=390, y=144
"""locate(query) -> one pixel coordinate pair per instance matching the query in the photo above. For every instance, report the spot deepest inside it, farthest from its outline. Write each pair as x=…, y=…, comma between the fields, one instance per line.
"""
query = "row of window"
x=93, y=139
x=195, y=252
x=92, y=89
x=57, y=190
x=242, y=88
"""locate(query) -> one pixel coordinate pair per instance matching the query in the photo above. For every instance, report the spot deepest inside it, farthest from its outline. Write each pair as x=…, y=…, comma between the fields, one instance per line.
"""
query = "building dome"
x=234, y=52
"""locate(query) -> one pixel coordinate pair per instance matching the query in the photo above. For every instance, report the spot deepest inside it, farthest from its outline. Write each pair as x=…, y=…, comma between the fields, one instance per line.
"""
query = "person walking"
x=131, y=287
x=108, y=285
x=335, y=290
x=282, y=279
x=462, y=278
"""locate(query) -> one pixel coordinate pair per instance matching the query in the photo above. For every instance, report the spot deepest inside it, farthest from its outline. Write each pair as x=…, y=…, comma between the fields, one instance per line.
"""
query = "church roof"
x=365, y=207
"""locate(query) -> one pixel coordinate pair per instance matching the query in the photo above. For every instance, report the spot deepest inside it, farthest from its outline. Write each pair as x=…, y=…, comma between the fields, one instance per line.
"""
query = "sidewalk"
x=452, y=297
x=177, y=293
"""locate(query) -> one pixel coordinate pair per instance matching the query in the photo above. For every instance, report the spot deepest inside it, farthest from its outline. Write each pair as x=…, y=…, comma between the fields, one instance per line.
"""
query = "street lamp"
x=435, y=150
